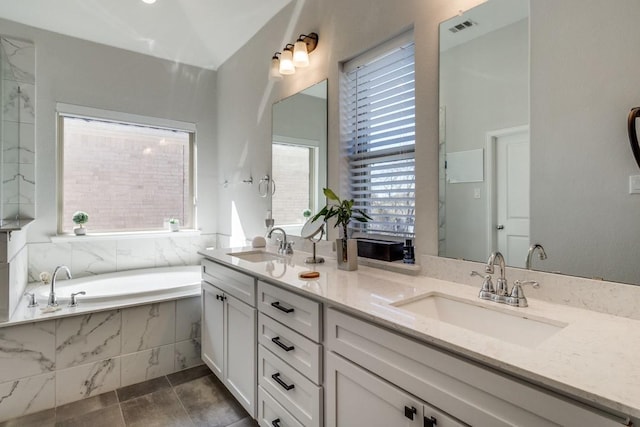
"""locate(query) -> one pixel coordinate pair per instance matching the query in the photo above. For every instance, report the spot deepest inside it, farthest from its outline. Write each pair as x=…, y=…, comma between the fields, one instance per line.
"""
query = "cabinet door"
x=240, y=340
x=213, y=328
x=357, y=398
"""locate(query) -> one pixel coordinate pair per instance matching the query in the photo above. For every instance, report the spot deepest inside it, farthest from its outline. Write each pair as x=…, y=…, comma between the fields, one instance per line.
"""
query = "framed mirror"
x=299, y=157
x=533, y=142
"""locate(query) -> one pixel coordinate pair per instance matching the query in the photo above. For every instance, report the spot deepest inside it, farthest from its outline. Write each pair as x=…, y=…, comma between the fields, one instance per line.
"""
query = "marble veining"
x=26, y=395
x=148, y=326
x=87, y=380
x=87, y=338
x=27, y=350
x=147, y=364
x=20, y=57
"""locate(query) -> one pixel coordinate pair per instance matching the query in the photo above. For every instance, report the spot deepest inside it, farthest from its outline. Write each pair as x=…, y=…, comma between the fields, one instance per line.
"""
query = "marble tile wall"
x=18, y=128
x=54, y=362
x=90, y=257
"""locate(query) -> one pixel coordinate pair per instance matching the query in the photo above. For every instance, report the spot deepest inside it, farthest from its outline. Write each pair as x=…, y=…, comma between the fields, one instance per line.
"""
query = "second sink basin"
x=255, y=256
x=505, y=325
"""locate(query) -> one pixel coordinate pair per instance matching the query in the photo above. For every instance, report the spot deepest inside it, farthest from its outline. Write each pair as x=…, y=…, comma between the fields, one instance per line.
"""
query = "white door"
x=512, y=195
x=212, y=351
x=241, y=341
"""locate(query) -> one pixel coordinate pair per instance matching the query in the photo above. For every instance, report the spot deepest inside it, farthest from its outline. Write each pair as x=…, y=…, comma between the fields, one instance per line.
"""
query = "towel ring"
x=266, y=185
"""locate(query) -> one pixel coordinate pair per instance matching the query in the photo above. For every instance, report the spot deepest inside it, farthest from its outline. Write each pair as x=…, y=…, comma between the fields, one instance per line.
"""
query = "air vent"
x=462, y=26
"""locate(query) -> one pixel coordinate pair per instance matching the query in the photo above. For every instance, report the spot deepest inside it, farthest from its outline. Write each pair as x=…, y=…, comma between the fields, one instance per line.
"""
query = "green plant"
x=342, y=210
x=80, y=217
x=306, y=213
x=174, y=221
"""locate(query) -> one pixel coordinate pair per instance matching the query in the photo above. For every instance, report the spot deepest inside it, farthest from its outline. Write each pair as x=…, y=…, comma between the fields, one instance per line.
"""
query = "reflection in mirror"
x=299, y=156
x=484, y=99
x=579, y=204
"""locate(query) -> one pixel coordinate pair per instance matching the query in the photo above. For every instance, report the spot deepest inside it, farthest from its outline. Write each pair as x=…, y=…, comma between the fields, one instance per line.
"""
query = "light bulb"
x=300, y=55
x=149, y=1
x=286, y=62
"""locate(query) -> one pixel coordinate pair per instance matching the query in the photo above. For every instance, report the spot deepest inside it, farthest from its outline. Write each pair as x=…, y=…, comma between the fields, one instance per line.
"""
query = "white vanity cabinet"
x=375, y=371
x=290, y=392
x=229, y=330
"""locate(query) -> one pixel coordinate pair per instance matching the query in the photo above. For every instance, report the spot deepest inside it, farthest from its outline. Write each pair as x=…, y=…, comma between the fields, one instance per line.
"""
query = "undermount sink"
x=509, y=326
x=256, y=256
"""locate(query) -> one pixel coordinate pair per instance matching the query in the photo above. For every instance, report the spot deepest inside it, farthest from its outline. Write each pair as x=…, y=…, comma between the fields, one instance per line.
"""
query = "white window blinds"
x=379, y=138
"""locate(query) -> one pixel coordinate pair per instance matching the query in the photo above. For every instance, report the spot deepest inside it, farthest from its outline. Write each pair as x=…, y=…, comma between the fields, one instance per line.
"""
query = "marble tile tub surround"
x=91, y=257
x=54, y=362
x=605, y=297
x=18, y=128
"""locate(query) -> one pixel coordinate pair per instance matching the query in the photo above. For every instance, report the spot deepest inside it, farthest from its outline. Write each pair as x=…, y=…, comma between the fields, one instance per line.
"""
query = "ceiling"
x=204, y=33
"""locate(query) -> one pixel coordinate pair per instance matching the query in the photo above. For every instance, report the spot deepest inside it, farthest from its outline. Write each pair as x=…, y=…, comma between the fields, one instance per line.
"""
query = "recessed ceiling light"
x=149, y=1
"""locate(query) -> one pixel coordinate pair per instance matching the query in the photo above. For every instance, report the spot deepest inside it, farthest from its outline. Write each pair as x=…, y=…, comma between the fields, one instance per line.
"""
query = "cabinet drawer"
x=476, y=395
x=241, y=286
x=290, y=389
x=298, y=351
x=298, y=313
x=271, y=413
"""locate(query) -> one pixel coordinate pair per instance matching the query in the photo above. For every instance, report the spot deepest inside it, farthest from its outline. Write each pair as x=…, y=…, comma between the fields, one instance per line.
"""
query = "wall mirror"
x=299, y=156
x=533, y=144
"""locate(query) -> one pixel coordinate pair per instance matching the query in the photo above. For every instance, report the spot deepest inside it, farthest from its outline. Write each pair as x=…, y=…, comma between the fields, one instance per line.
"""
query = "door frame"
x=490, y=167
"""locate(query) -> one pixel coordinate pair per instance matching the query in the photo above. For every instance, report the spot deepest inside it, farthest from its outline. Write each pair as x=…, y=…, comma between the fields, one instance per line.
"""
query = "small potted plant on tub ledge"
x=174, y=224
x=344, y=212
x=80, y=218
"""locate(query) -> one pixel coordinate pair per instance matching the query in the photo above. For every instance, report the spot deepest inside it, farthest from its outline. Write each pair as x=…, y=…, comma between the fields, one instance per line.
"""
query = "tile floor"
x=194, y=397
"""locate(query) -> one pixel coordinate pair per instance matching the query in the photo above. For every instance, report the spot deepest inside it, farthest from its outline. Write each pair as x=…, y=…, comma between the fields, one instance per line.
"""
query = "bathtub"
x=143, y=283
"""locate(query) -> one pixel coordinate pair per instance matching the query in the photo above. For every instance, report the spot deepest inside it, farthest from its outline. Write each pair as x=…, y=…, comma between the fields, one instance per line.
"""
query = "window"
x=379, y=137
x=127, y=177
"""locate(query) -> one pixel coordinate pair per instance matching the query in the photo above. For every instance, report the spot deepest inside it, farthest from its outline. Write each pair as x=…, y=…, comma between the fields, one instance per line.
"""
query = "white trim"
x=490, y=165
x=116, y=116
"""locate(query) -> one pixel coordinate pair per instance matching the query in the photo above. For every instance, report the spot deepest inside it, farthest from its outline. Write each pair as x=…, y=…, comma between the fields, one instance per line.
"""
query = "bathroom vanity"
x=372, y=347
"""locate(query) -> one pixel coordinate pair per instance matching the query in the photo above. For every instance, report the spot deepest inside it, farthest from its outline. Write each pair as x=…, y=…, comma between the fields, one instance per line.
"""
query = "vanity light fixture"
x=293, y=55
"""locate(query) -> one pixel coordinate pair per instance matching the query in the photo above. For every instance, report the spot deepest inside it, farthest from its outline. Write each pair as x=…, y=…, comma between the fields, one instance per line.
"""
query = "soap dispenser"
x=408, y=251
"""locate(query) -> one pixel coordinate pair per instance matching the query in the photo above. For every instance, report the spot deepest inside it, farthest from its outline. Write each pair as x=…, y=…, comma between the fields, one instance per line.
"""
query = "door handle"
x=276, y=341
x=430, y=422
x=633, y=136
x=276, y=378
x=499, y=227
x=276, y=422
x=276, y=304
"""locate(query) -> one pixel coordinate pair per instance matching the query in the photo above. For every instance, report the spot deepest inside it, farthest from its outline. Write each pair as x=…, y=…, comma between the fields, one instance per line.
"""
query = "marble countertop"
x=593, y=357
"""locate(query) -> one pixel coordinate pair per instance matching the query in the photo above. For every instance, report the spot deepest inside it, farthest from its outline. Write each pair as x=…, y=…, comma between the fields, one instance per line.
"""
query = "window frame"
x=75, y=111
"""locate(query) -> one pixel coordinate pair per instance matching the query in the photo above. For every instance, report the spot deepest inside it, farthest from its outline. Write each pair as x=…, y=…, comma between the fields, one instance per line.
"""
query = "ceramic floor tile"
x=188, y=375
x=45, y=418
x=140, y=389
x=208, y=402
x=105, y=417
x=84, y=406
x=245, y=422
x=161, y=408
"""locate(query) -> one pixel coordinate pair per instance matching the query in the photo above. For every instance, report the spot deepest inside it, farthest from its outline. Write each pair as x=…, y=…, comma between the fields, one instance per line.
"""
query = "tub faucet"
x=502, y=289
x=542, y=255
x=284, y=247
x=52, y=302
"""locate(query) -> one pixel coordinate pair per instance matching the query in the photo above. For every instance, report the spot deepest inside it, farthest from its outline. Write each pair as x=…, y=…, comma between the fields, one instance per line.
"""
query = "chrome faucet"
x=502, y=288
x=284, y=247
x=52, y=302
x=532, y=249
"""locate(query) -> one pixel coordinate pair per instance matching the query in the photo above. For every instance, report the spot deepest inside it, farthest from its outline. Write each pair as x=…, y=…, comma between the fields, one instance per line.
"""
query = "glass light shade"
x=300, y=55
x=286, y=62
x=274, y=73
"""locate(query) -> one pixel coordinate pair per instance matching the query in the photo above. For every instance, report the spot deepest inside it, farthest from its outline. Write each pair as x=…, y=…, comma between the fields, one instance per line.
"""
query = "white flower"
x=45, y=277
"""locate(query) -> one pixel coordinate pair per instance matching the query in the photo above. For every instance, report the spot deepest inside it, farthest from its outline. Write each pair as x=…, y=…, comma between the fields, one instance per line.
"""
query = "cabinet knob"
x=430, y=422
x=410, y=412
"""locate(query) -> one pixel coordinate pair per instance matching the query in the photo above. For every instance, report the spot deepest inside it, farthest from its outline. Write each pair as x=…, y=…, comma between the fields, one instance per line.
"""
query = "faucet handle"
x=74, y=300
x=32, y=299
x=487, y=290
x=517, y=298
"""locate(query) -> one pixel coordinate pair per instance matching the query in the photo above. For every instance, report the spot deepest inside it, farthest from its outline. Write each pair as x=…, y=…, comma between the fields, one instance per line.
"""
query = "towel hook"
x=266, y=186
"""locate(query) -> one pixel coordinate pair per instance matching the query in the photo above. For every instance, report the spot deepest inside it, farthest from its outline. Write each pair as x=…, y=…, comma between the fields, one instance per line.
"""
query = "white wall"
x=346, y=29
x=79, y=72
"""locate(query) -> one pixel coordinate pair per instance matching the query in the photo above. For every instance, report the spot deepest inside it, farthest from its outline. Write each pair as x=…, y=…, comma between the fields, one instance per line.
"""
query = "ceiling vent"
x=462, y=26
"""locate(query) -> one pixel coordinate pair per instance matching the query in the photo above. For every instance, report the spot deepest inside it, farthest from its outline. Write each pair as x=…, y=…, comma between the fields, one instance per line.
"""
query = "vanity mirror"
x=533, y=138
x=299, y=156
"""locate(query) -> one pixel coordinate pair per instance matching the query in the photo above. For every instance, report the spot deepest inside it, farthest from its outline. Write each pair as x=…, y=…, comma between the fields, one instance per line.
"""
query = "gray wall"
x=484, y=86
x=584, y=81
x=78, y=72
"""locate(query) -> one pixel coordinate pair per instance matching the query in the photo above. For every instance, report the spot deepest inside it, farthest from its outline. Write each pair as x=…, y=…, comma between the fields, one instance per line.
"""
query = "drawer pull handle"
x=276, y=422
x=430, y=422
x=409, y=412
x=277, y=305
x=276, y=378
x=276, y=341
